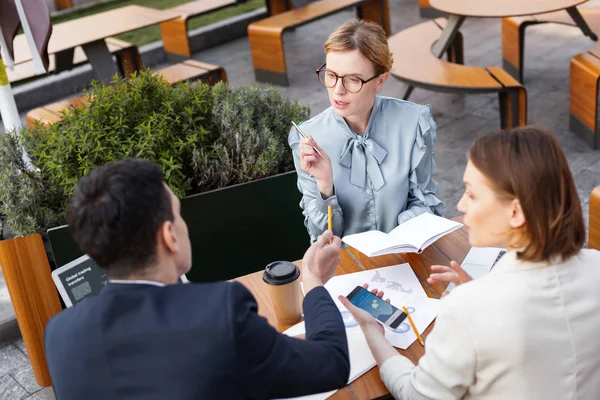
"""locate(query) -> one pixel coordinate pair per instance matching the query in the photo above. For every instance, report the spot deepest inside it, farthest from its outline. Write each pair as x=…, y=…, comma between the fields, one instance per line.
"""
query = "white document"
x=413, y=236
x=479, y=261
x=361, y=359
x=402, y=287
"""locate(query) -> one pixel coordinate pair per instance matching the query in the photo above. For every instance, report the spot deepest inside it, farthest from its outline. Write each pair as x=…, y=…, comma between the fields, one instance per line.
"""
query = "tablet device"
x=78, y=279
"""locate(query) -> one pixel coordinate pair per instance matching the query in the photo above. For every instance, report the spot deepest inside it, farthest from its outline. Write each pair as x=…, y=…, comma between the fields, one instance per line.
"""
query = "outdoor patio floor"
x=460, y=118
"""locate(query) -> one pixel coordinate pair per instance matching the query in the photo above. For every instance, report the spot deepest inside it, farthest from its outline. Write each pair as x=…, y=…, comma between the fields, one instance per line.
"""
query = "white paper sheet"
x=361, y=359
x=402, y=287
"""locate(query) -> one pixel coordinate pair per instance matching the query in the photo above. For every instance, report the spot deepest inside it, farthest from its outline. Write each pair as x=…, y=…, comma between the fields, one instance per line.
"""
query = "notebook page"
x=369, y=242
x=420, y=230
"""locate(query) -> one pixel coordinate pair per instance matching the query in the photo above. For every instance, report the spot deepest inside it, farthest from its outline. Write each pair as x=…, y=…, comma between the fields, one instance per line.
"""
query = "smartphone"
x=383, y=311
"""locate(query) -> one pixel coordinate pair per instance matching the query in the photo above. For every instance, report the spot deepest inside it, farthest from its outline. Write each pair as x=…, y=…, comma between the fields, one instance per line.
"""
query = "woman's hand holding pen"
x=317, y=165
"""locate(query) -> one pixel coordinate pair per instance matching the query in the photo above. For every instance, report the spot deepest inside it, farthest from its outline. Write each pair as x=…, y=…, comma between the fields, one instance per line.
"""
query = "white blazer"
x=524, y=331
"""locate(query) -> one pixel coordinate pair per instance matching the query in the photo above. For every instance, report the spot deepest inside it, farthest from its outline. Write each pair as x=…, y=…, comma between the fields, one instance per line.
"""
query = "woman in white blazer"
x=530, y=329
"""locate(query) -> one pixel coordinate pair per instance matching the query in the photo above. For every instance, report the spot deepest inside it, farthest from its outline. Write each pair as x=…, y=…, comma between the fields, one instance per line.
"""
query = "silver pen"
x=305, y=136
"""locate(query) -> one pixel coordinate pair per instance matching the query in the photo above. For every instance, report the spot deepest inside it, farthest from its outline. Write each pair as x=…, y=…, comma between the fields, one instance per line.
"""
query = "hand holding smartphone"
x=381, y=310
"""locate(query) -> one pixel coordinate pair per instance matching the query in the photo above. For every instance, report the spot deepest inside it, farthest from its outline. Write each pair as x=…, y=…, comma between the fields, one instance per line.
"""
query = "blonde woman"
x=368, y=157
x=529, y=329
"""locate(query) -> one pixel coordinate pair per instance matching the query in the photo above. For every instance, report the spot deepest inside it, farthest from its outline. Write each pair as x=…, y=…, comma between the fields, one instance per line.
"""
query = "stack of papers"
x=403, y=288
x=361, y=359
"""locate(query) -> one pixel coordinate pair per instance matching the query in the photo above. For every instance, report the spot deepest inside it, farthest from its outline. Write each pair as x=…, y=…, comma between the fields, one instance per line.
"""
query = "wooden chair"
x=266, y=36
x=594, y=228
x=513, y=35
x=175, y=32
x=583, y=96
x=416, y=65
x=185, y=71
x=128, y=61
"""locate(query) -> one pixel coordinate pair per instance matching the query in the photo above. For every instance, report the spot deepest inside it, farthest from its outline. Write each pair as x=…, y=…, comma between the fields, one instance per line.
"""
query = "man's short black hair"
x=115, y=213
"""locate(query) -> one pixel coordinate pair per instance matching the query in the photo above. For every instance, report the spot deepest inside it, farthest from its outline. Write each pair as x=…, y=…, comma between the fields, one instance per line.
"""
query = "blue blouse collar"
x=362, y=154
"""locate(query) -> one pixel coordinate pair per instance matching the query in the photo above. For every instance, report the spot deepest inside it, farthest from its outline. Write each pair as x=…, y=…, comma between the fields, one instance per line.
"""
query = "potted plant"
x=223, y=151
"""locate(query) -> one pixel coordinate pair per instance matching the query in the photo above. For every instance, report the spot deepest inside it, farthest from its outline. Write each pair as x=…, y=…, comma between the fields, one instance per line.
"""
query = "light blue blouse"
x=381, y=178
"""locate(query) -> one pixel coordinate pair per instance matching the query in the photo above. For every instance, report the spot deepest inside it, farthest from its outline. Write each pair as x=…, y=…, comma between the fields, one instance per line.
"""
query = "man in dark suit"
x=143, y=337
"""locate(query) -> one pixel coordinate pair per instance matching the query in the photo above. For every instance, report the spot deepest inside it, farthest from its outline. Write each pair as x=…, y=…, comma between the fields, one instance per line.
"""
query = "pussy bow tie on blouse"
x=363, y=157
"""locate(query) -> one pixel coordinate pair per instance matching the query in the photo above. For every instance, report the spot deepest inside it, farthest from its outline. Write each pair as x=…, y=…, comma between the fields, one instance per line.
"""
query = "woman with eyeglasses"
x=368, y=157
x=528, y=329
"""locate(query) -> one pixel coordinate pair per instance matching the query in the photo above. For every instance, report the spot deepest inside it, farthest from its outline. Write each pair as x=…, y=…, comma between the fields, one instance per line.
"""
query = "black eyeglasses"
x=351, y=83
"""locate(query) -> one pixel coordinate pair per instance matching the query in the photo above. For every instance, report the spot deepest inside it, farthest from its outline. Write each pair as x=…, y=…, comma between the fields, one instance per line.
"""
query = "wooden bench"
x=416, y=65
x=513, y=35
x=175, y=32
x=266, y=36
x=185, y=71
x=594, y=227
x=583, y=96
x=128, y=61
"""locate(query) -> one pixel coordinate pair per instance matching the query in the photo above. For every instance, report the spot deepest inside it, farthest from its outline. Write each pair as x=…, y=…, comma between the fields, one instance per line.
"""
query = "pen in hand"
x=330, y=220
x=305, y=136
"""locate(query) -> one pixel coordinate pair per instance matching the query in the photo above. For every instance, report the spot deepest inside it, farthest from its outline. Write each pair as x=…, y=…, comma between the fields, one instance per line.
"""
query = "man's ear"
x=381, y=79
x=168, y=237
x=517, y=217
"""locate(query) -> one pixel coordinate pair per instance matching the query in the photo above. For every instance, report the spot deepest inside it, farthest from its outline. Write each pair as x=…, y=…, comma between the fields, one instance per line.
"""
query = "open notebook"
x=412, y=236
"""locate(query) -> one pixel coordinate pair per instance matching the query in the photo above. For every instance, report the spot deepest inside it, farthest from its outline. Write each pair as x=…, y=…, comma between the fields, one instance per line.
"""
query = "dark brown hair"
x=527, y=163
x=116, y=212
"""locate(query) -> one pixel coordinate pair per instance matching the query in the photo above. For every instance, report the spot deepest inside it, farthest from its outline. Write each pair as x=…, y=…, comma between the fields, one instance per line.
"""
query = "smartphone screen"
x=378, y=308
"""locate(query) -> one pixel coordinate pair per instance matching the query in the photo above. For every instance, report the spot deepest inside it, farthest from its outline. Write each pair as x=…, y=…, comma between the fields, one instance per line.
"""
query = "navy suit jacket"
x=192, y=341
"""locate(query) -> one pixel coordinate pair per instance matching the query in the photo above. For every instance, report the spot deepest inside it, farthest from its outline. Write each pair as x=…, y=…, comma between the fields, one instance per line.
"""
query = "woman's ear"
x=381, y=79
x=517, y=217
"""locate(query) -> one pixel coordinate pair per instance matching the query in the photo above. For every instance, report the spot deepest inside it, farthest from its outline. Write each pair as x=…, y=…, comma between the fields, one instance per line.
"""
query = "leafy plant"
x=203, y=137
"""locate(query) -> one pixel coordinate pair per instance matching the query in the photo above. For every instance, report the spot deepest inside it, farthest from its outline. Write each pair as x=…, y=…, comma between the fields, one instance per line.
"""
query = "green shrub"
x=203, y=137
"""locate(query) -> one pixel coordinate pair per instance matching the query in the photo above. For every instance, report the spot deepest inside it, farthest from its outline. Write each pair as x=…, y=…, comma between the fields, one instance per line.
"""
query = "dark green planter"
x=233, y=231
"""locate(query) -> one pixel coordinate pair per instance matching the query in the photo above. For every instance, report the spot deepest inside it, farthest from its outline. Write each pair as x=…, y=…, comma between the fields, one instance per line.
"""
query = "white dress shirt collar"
x=137, y=282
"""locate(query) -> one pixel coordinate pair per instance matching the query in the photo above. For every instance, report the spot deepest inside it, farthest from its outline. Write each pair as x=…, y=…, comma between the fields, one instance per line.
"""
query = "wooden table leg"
x=63, y=60
x=446, y=39
x=580, y=22
x=448, y=34
x=101, y=60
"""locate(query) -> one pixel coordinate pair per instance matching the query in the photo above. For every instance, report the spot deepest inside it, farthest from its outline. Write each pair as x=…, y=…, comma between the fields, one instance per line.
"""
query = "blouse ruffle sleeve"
x=422, y=188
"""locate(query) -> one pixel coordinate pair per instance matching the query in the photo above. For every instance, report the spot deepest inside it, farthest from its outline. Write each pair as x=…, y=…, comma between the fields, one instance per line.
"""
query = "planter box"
x=233, y=231
x=34, y=298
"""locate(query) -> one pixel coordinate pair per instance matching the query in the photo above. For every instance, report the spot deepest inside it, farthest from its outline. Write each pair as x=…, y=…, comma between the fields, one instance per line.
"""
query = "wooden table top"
x=70, y=34
x=453, y=246
x=501, y=8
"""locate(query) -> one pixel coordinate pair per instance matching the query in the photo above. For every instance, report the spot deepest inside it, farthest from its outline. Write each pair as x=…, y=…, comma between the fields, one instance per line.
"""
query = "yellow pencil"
x=330, y=219
x=412, y=324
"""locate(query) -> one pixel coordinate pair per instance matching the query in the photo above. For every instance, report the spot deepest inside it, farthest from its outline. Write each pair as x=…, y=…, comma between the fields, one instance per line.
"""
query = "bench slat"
x=296, y=17
x=174, y=32
x=196, y=8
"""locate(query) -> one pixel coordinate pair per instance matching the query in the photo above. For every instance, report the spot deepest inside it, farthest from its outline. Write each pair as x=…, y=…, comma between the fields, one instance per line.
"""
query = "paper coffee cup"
x=284, y=291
